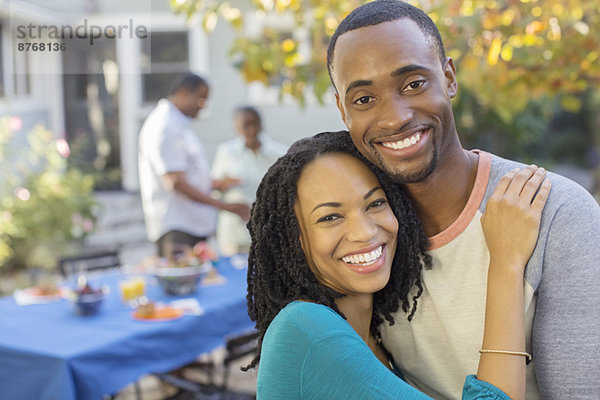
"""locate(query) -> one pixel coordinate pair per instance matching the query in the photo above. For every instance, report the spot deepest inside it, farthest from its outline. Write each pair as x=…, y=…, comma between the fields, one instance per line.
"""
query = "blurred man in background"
x=245, y=159
x=174, y=172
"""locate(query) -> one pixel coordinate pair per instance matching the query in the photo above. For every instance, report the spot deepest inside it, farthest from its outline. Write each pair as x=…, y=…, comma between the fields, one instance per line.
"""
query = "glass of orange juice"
x=132, y=289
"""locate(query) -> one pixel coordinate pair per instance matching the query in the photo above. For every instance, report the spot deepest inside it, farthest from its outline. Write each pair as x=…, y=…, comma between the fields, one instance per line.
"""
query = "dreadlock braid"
x=278, y=272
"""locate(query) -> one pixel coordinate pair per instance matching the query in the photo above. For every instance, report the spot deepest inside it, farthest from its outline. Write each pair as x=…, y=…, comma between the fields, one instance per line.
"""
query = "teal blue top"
x=310, y=352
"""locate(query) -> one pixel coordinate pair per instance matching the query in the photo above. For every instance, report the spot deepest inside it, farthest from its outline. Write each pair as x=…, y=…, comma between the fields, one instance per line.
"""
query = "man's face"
x=195, y=101
x=248, y=125
x=394, y=95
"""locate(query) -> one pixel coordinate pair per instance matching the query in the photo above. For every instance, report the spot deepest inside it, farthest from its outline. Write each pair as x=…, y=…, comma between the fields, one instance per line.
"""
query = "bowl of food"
x=181, y=280
x=87, y=300
x=180, y=274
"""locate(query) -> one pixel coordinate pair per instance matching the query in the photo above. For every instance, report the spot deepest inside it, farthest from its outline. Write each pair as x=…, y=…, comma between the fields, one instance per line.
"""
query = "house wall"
x=208, y=57
x=41, y=104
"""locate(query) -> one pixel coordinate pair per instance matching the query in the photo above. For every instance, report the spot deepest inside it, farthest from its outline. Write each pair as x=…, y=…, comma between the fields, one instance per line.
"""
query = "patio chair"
x=89, y=262
x=236, y=347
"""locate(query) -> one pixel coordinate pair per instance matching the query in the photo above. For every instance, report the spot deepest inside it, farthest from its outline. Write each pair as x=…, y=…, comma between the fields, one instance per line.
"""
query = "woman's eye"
x=362, y=100
x=377, y=203
x=414, y=85
x=328, y=218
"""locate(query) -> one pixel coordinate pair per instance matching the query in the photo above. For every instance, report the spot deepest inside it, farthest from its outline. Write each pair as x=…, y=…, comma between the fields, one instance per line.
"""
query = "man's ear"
x=450, y=74
x=340, y=107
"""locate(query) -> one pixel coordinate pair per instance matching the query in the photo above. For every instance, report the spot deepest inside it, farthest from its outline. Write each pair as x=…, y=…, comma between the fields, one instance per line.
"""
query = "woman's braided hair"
x=278, y=272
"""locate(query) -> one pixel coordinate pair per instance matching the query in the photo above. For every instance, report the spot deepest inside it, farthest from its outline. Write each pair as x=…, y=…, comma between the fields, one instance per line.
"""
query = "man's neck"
x=177, y=104
x=253, y=145
x=441, y=198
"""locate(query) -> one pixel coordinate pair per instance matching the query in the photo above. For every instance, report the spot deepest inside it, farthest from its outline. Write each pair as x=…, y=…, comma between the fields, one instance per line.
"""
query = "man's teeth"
x=365, y=258
x=402, y=144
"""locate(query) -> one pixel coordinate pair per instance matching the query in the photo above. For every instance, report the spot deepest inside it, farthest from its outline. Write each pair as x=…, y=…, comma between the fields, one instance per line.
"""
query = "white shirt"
x=234, y=160
x=167, y=144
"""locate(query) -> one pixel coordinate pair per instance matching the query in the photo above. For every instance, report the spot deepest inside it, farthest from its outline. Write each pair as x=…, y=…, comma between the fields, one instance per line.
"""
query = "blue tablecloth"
x=47, y=352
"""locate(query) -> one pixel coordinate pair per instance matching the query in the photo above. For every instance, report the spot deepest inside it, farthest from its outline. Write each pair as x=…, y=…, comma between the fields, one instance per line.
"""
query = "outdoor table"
x=47, y=352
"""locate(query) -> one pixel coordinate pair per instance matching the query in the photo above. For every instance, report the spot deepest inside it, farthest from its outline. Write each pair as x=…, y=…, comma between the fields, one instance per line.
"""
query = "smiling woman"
x=347, y=228
x=336, y=249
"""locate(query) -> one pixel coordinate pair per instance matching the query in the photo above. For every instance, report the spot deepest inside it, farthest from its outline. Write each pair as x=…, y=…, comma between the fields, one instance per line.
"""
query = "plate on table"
x=159, y=314
x=42, y=293
x=37, y=295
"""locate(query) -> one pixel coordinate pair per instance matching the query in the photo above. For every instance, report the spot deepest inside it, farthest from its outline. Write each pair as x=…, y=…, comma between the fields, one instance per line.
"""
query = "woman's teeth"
x=402, y=144
x=365, y=258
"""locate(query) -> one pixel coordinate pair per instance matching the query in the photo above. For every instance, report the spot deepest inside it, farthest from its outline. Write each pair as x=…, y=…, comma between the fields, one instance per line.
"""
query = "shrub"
x=46, y=209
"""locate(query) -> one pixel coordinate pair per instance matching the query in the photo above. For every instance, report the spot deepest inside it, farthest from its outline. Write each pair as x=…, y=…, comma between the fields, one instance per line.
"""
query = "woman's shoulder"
x=309, y=319
x=307, y=309
x=289, y=346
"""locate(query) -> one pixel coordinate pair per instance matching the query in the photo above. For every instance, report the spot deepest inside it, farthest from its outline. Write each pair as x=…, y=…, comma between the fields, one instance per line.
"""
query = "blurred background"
x=529, y=89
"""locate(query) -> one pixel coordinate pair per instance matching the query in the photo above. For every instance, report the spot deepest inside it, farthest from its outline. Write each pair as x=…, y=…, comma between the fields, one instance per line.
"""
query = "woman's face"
x=347, y=228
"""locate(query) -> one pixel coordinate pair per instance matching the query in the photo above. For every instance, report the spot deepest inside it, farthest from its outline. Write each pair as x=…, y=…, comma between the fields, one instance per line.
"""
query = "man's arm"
x=566, y=330
x=178, y=182
x=220, y=171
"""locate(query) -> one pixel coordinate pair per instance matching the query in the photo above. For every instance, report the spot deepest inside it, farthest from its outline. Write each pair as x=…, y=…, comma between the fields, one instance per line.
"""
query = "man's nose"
x=395, y=113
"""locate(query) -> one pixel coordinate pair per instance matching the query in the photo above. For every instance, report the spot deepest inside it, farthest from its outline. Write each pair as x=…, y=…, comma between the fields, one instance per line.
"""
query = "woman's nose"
x=361, y=228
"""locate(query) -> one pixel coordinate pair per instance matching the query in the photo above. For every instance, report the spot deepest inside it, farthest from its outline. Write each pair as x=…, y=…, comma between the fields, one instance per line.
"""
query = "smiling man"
x=394, y=89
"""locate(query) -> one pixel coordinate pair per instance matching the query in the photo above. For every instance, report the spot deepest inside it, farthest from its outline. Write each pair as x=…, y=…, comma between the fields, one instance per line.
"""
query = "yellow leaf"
x=508, y=17
x=515, y=41
x=570, y=103
x=288, y=45
x=584, y=65
x=530, y=40
x=577, y=12
x=494, y=52
x=467, y=9
x=507, y=52
x=331, y=23
x=210, y=21
x=454, y=53
x=557, y=9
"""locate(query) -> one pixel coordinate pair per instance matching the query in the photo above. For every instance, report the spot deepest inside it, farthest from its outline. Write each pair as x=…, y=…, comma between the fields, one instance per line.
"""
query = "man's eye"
x=328, y=218
x=363, y=100
x=414, y=85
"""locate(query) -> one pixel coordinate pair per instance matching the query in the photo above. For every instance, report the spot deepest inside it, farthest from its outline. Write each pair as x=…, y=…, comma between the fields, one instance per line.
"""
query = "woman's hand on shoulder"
x=511, y=221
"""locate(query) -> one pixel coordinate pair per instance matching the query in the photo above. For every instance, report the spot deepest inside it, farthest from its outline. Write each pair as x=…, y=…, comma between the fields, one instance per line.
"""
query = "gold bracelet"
x=514, y=353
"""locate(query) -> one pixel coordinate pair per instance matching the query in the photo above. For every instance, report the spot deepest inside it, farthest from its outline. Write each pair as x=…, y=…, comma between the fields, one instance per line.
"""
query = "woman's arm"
x=511, y=226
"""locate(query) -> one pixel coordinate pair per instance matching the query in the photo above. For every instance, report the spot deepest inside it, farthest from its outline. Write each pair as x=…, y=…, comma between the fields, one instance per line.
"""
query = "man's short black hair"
x=249, y=110
x=380, y=11
x=189, y=82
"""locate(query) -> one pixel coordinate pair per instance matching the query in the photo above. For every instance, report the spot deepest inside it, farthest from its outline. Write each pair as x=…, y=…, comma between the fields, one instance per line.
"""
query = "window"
x=2, y=58
x=164, y=57
x=15, y=74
